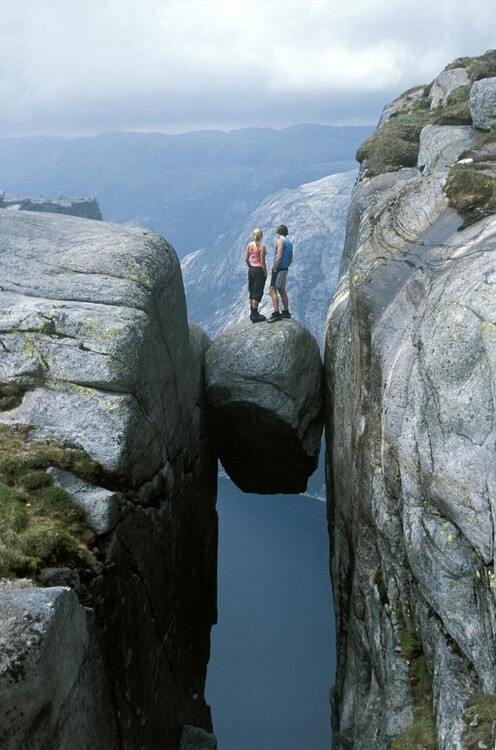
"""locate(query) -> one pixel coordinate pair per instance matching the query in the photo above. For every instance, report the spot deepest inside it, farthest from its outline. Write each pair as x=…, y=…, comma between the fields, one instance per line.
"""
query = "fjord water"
x=272, y=659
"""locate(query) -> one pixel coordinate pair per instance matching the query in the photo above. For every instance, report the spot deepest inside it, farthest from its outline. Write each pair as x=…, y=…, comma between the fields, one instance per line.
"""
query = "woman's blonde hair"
x=257, y=235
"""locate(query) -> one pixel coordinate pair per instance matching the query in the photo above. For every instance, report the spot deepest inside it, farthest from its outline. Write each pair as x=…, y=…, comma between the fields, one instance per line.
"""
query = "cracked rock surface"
x=264, y=388
x=411, y=376
x=51, y=669
x=93, y=329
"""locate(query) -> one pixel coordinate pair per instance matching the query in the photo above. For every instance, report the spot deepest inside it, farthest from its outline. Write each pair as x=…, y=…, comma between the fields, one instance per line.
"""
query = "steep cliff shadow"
x=272, y=655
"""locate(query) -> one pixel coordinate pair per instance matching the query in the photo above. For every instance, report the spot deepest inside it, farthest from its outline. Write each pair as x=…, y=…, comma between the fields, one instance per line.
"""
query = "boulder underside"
x=264, y=388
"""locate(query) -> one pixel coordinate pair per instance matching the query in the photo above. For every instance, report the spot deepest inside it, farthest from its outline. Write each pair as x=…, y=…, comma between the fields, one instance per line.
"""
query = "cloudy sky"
x=71, y=67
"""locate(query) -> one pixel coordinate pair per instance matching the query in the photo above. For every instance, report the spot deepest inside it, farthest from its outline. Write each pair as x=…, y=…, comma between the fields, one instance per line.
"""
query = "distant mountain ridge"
x=192, y=187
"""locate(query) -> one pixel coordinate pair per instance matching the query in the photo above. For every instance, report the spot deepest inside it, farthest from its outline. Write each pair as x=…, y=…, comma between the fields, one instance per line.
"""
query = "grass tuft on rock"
x=422, y=732
x=477, y=68
x=40, y=525
x=395, y=144
x=456, y=111
x=480, y=717
x=471, y=192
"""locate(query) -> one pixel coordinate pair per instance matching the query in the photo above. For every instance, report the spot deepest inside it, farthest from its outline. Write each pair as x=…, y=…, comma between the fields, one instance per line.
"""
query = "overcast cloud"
x=87, y=66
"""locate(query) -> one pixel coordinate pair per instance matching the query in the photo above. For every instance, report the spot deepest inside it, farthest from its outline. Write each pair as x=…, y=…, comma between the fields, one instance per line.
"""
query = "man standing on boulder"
x=282, y=261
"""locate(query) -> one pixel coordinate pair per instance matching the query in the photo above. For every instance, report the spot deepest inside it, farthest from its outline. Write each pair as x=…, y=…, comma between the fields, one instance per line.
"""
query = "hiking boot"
x=256, y=317
x=275, y=316
x=286, y=314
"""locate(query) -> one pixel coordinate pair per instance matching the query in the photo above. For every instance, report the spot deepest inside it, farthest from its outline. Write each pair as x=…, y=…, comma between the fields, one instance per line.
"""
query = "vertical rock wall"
x=411, y=393
x=93, y=330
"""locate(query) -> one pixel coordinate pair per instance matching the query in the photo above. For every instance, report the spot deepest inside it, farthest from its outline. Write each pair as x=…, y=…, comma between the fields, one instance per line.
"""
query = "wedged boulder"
x=482, y=103
x=264, y=388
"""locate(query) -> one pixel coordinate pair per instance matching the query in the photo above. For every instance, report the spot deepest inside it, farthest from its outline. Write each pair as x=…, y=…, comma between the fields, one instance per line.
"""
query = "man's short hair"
x=282, y=229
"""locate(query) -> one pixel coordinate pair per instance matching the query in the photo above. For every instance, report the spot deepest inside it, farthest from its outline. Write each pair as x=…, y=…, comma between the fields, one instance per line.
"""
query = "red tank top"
x=255, y=254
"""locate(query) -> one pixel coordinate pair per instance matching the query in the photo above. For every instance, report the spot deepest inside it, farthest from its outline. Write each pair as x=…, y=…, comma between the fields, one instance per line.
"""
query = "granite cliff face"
x=95, y=340
x=410, y=361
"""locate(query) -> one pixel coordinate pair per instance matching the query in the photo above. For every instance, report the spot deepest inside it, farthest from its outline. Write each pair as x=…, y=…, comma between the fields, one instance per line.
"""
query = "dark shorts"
x=278, y=279
x=256, y=282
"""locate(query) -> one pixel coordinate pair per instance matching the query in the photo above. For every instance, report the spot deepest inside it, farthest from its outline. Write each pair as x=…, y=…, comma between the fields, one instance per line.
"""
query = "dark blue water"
x=272, y=661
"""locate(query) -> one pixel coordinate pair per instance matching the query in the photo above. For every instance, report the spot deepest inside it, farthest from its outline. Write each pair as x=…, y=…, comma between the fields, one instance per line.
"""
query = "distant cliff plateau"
x=190, y=188
x=410, y=358
x=86, y=208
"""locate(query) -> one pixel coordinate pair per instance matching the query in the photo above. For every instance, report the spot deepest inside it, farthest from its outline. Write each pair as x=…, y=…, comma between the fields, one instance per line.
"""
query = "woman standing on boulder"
x=257, y=274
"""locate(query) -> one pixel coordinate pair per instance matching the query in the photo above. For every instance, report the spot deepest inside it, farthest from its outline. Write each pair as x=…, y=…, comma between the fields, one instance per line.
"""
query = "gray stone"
x=446, y=83
x=92, y=319
x=410, y=365
x=93, y=328
x=264, y=387
x=195, y=738
x=401, y=104
x=59, y=577
x=482, y=103
x=54, y=691
x=101, y=507
x=439, y=144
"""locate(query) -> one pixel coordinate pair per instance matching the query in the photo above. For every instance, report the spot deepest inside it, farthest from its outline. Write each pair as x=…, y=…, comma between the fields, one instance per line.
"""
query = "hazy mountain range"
x=191, y=188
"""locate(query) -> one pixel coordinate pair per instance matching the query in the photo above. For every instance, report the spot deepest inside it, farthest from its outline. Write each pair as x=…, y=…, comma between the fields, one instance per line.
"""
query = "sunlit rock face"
x=264, y=388
x=483, y=103
x=445, y=83
x=94, y=332
x=410, y=360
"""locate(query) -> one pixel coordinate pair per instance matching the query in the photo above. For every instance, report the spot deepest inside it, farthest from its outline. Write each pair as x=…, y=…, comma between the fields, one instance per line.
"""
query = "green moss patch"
x=477, y=68
x=10, y=396
x=471, y=192
x=480, y=716
x=395, y=144
x=456, y=111
x=420, y=735
x=422, y=732
x=40, y=525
